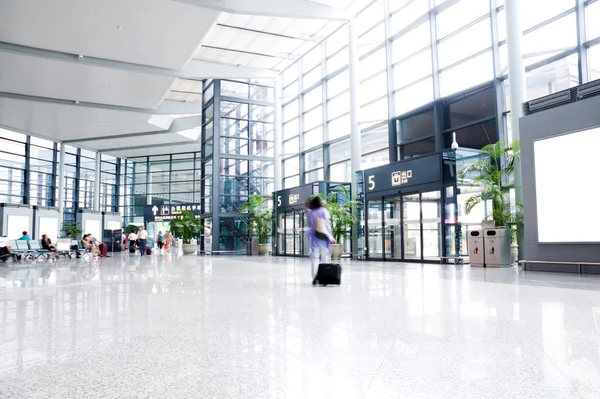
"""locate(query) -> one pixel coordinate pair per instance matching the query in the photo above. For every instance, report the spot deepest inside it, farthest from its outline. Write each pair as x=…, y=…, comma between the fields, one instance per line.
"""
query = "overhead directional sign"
x=164, y=213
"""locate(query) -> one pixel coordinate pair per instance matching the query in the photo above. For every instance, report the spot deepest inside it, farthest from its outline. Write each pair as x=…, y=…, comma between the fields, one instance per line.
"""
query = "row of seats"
x=33, y=250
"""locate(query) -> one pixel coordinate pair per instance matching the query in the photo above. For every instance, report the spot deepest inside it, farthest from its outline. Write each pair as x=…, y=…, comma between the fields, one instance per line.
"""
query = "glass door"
x=431, y=222
x=298, y=232
x=375, y=226
x=280, y=233
x=289, y=233
x=393, y=228
x=412, y=226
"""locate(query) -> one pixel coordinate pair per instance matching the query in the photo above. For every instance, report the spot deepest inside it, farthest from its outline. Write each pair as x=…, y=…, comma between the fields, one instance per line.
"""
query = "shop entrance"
x=406, y=227
x=290, y=226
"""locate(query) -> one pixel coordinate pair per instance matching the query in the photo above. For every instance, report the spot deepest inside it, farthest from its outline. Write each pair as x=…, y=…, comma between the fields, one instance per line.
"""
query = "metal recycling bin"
x=252, y=248
x=497, y=248
x=476, y=248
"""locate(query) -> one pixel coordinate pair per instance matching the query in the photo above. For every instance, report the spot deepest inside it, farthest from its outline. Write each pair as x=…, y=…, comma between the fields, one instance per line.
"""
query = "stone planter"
x=336, y=251
x=189, y=249
x=263, y=249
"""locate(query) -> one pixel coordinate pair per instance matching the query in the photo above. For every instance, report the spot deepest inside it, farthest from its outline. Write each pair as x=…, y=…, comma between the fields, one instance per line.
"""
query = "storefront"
x=290, y=218
x=408, y=206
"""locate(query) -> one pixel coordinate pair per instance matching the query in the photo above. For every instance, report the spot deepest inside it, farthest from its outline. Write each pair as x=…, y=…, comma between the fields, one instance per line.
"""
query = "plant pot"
x=336, y=251
x=263, y=249
x=189, y=249
x=514, y=253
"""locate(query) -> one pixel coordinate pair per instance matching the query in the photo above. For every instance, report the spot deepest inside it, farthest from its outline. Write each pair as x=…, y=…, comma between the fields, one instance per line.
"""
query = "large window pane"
x=337, y=61
x=373, y=88
x=313, y=98
x=290, y=111
x=291, y=147
x=336, y=41
x=313, y=137
x=467, y=74
x=416, y=127
x=338, y=84
x=291, y=128
x=339, y=151
x=313, y=118
x=312, y=77
x=234, y=89
x=374, y=112
x=475, y=137
x=376, y=159
x=479, y=105
x=291, y=166
x=594, y=61
x=534, y=12
x=408, y=14
x=592, y=14
x=370, y=16
x=290, y=74
x=465, y=43
x=556, y=36
x=411, y=42
x=413, y=96
x=339, y=127
x=373, y=64
x=313, y=159
x=340, y=172
x=311, y=59
x=372, y=39
x=413, y=69
x=338, y=106
x=459, y=15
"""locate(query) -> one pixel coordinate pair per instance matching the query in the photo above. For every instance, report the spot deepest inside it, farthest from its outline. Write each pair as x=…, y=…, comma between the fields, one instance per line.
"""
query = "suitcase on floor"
x=148, y=251
x=329, y=274
x=131, y=250
x=103, y=249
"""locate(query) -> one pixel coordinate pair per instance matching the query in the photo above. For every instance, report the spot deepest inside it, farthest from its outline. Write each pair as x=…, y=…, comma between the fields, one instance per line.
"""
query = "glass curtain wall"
x=416, y=56
x=29, y=175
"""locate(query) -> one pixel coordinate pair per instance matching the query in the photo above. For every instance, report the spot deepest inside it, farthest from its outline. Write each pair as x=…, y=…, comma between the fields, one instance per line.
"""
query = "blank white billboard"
x=567, y=180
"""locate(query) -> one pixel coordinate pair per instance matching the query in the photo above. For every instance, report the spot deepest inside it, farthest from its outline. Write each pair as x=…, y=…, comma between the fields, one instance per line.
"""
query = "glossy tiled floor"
x=195, y=327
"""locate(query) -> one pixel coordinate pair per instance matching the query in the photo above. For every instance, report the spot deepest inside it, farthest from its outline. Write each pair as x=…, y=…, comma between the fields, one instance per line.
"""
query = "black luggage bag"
x=329, y=274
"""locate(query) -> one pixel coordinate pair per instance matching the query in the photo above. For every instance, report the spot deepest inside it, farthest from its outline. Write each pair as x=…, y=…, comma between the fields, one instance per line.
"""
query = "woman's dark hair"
x=316, y=202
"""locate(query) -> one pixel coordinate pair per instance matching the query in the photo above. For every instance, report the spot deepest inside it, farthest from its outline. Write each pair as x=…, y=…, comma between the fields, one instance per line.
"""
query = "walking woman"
x=320, y=236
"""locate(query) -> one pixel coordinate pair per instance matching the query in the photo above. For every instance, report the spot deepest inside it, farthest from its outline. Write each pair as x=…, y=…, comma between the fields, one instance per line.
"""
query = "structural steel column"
x=355, y=139
x=277, y=137
x=97, y=183
x=61, y=180
x=517, y=85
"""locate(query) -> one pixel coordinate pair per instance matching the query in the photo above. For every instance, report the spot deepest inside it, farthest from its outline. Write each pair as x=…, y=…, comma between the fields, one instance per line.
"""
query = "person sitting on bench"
x=47, y=244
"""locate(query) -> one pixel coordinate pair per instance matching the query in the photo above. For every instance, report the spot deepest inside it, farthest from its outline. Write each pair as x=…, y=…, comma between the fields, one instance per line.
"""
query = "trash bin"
x=476, y=248
x=497, y=248
x=252, y=248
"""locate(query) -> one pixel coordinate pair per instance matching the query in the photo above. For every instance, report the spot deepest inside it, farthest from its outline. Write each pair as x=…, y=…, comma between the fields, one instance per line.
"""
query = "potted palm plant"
x=186, y=225
x=341, y=218
x=261, y=221
x=494, y=174
x=72, y=230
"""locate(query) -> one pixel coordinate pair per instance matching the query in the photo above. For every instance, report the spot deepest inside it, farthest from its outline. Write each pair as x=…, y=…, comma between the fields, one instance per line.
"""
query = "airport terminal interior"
x=157, y=162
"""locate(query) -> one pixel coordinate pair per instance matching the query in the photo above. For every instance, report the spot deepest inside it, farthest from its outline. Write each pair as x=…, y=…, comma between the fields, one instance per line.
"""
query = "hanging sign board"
x=402, y=174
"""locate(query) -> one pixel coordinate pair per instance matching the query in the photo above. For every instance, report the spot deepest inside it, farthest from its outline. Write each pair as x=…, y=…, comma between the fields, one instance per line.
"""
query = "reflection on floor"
x=167, y=326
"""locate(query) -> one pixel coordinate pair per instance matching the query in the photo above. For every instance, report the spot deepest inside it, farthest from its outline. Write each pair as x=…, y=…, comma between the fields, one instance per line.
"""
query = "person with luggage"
x=320, y=235
x=143, y=237
x=131, y=239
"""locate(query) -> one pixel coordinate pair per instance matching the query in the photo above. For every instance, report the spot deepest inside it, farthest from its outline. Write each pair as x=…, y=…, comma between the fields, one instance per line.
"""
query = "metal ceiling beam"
x=275, y=8
x=195, y=69
x=178, y=125
x=167, y=107
x=305, y=38
x=141, y=147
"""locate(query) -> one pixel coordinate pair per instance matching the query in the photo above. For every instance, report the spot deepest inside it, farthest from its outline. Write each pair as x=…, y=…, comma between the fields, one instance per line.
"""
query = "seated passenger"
x=47, y=244
x=25, y=237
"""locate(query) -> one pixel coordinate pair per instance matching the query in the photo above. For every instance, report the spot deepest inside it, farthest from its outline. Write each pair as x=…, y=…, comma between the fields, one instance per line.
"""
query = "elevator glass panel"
x=375, y=226
x=412, y=226
x=281, y=233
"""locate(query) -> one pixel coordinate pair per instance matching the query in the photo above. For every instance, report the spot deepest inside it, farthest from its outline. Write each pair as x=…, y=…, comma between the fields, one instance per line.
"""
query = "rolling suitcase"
x=148, y=251
x=132, y=250
x=329, y=274
x=103, y=250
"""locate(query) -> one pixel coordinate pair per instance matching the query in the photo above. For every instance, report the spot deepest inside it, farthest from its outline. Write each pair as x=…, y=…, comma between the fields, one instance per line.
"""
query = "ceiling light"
x=80, y=57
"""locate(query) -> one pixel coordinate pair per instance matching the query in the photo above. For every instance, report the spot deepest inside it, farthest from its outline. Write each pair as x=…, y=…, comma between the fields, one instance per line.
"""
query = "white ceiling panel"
x=160, y=33
x=68, y=122
x=36, y=76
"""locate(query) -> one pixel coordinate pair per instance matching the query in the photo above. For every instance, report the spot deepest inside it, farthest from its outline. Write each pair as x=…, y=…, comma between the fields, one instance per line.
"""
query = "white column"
x=277, y=135
x=516, y=81
x=355, y=139
x=97, y=183
x=61, y=181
